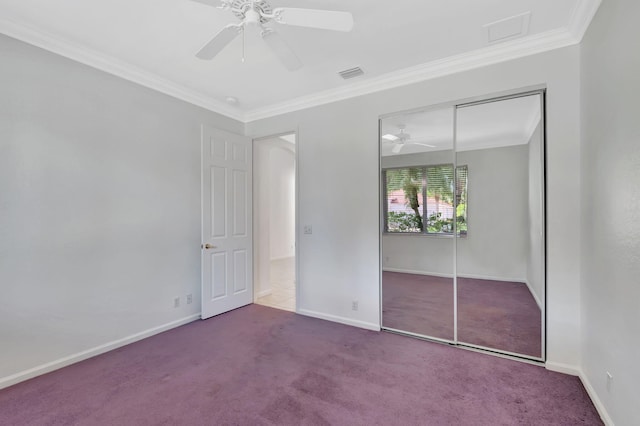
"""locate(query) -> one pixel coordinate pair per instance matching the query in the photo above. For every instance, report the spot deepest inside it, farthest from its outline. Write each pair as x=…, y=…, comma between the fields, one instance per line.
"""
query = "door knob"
x=209, y=246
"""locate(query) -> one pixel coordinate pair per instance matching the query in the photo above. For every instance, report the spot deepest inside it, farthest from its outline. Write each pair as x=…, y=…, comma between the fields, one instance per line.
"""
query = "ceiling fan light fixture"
x=256, y=13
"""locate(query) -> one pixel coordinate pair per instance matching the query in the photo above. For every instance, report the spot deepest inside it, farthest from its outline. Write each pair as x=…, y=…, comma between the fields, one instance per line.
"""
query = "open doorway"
x=274, y=183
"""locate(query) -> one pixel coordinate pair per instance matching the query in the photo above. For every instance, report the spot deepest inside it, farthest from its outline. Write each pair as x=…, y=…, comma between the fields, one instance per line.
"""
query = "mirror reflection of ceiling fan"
x=402, y=139
x=256, y=13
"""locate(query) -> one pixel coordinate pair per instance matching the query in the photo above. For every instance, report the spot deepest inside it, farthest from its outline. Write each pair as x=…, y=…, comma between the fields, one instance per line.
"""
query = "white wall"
x=610, y=208
x=535, y=217
x=497, y=242
x=99, y=207
x=338, y=145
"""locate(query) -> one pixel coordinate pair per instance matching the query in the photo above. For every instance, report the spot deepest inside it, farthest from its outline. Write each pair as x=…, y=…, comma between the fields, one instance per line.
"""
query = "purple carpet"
x=501, y=315
x=494, y=314
x=260, y=366
x=421, y=304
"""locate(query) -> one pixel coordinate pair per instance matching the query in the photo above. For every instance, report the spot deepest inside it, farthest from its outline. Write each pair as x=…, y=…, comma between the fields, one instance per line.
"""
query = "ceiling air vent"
x=351, y=73
x=509, y=28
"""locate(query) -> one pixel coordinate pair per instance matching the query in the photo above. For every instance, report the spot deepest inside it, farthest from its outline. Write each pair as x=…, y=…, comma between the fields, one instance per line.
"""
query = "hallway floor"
x=283, y=285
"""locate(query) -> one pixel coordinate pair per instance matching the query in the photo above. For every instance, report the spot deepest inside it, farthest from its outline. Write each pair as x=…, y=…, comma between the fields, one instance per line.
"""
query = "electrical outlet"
x=189, y=298
x=176, y=302
x=308, y=229
x=609, y=380
x=354, y=305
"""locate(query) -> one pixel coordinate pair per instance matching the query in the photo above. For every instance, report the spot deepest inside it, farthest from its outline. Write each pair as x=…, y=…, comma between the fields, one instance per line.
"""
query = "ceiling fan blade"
x=397, y=148
x=211, y=3
x=281, y=49
x=313, y=18
x=219, y=42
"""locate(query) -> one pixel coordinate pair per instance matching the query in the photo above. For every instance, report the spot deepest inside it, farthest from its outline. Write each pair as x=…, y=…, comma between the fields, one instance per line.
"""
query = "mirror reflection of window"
x=422, y=200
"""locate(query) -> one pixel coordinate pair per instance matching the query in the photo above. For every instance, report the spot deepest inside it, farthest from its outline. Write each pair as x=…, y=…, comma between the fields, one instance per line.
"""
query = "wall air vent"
x=351, y=73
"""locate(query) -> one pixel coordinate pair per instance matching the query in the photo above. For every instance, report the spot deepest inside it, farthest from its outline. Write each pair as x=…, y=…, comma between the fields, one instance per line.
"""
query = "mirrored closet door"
x=500, y=271
x=462, y=209
x=418, y=294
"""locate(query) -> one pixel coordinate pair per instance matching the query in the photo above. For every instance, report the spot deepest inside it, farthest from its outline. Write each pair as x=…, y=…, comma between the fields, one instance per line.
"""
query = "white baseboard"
x=559, y=367
x=89, y=353
x=341, y=320
x=443, y=275
x=604, y=415
x=492, y=278
x=263, y=293
x=282, y=258
x=412, y=272
x=533, y=293
x=575, y=371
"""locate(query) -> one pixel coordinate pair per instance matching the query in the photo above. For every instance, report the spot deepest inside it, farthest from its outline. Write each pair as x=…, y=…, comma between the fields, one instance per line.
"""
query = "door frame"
x=255, y=140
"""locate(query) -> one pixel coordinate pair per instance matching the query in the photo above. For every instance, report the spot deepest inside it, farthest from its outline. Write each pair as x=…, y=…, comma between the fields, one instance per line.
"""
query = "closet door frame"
x=455, y=105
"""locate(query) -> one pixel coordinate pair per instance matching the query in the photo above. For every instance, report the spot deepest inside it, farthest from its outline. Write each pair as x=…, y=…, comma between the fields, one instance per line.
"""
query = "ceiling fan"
x=256, y=13
x=400, y=140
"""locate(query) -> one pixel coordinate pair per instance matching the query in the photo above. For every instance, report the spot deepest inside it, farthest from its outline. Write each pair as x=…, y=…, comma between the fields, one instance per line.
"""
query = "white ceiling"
x=489, y=125
x=153, y=42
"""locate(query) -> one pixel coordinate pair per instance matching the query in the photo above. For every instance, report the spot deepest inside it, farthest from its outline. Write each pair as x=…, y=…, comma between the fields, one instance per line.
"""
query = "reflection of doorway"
x=274, y=174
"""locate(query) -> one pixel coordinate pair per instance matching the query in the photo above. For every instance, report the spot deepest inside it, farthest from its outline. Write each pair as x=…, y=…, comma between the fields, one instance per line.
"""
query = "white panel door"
x=226, y=222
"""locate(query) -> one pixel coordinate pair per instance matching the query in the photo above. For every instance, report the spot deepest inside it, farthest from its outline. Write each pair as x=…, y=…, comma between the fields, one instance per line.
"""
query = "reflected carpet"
x=494, y=314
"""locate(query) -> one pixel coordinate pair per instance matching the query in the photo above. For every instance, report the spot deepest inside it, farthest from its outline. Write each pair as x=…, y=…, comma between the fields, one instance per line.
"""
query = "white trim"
x=263, y=293
x=593, y=395
x=597, y=402
x=559, y=367
x=533, y=293
x=443, y=275
x=487, y=145
x=504, y=355
x=115, y=67
x=89, y=353
x=490, y=55
x=490, y=278
x=580, y=19
x=341, y=320
x=274, y=259
x=409, y=271
x=534, y=121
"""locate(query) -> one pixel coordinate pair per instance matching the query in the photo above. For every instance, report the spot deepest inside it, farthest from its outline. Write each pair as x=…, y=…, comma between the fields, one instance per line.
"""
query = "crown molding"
x=116, y=67
x=583, y=13
x=454, y=64
x=532, y=125
x=581, y=17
